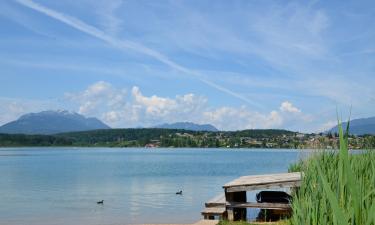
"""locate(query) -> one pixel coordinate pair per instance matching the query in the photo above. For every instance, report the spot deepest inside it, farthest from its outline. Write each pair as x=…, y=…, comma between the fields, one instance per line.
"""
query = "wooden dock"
x=232, y=203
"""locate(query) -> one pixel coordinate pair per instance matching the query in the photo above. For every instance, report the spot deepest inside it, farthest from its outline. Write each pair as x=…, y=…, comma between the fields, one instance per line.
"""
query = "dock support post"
x=230, y=214
x=236, y=213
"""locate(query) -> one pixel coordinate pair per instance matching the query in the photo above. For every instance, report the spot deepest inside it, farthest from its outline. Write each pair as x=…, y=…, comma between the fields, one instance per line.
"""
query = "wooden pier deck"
x=268, y=181
x=215, y=207
x=232, y=203
x=216, y=201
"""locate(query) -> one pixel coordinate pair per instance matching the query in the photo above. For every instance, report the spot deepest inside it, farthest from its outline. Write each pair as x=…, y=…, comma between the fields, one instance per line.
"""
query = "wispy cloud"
x=22, y=20
x=126, y=44
x=107, y=11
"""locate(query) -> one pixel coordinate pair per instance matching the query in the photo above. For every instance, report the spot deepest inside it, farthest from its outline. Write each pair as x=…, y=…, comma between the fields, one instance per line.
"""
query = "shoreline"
x=200, y=222
x=116, y=147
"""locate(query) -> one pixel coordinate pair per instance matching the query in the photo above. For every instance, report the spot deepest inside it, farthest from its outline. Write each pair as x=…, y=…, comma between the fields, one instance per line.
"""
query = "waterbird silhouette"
x=100, y=202
x=179, y=193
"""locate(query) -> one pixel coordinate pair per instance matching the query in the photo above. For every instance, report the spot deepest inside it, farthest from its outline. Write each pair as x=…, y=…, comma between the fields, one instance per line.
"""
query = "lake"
x=60, y=186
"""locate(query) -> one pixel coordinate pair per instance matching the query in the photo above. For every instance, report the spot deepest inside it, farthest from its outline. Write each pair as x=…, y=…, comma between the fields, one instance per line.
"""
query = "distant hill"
x=51, y=122
x=187, y=126
x=359, y=126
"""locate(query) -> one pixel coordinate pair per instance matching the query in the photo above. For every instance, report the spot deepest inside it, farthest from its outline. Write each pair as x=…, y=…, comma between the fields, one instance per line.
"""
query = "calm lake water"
x=61, y=185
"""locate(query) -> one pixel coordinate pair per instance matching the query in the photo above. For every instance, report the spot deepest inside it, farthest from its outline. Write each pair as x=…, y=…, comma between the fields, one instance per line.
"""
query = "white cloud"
x=177, y=108
x=231, y=118
x=154, y=105
x=111, y=116
x=274, y=120
x=120, y=109
x=288, y=107
x=238, y=118
x=155, y=110
x=97, y=98
x=327, y=125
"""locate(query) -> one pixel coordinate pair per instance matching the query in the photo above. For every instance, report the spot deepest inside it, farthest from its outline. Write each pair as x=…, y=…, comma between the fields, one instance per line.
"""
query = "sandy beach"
x=201, y=222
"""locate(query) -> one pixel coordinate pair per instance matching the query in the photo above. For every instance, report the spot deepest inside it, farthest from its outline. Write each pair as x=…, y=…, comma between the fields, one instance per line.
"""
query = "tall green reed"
x=337, y=188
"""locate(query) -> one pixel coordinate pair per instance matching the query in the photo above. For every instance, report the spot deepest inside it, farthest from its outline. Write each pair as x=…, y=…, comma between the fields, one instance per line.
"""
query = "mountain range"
x=60, y=121
x=187, y=126
x=358, y=126
x=52, y=122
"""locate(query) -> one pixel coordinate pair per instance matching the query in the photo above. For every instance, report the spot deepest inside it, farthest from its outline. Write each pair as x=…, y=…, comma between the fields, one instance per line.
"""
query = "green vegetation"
x=337, y=188
x=157, y=137
x=15, y=140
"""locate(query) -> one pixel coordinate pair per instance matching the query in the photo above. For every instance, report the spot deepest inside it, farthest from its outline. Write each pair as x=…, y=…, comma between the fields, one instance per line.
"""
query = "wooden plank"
x=263, y=205
x=247, y=183
x=262, y=179
x=218, y=200
x=214, y=211
x=263, y=186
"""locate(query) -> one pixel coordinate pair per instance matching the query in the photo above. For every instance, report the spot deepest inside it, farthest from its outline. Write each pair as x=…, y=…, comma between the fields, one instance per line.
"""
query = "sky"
x=233, y=64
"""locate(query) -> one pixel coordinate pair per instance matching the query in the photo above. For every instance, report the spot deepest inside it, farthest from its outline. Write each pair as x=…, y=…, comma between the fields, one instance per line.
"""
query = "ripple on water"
x=61, y=185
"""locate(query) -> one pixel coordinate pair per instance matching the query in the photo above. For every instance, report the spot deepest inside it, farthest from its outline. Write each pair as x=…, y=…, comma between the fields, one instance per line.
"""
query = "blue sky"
x=234, y=64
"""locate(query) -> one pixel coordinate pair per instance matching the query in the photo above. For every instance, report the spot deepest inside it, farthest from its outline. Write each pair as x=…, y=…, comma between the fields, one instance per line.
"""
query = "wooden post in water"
x=236, y=213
